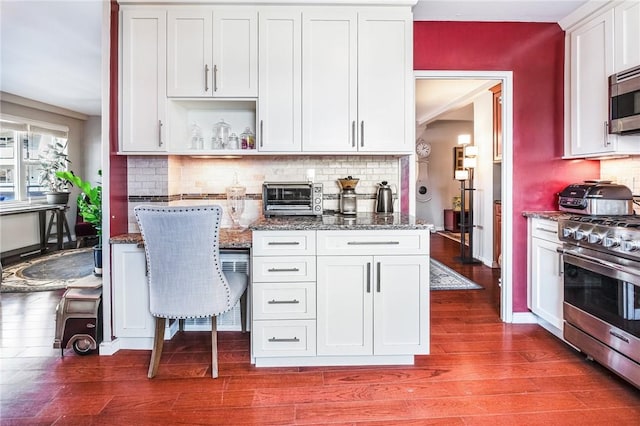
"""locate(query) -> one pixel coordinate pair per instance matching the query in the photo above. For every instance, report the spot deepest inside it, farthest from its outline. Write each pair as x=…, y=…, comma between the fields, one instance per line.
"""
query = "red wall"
x=118, y=197
x=535, y=54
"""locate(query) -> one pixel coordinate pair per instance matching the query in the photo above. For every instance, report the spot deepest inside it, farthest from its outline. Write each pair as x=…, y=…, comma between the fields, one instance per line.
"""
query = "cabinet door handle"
x=353, y=133
x=378, y=278
x=606, y=134
x=290, y=339
x=261, y=134
x=368, y=277
x=283, y=243
x=215, y=78
x=560, y=265
x=159, y=132
x=206, y=77
x=372, y=243
x=283, y=302
x=362, y=133
x=283, y=270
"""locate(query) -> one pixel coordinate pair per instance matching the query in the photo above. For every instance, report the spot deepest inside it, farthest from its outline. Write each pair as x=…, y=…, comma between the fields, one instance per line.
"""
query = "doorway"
x=455, y=110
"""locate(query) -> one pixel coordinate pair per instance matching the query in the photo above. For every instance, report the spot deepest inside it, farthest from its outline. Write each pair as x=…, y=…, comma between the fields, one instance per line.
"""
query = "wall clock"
x=423, y=149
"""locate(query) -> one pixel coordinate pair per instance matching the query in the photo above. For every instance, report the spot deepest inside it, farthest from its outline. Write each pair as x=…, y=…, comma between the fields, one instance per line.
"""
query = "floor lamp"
x=466, y=219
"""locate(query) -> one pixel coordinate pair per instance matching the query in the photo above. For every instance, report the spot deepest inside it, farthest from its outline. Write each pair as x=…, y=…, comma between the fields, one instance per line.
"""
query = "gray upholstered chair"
x=184, y=271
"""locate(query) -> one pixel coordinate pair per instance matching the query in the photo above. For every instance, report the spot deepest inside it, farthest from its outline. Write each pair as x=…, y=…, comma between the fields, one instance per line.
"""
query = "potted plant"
x=52, y=161
x=90, y=208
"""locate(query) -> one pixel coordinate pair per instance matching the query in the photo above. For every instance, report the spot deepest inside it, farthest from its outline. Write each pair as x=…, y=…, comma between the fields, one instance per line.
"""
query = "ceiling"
x=50, y=51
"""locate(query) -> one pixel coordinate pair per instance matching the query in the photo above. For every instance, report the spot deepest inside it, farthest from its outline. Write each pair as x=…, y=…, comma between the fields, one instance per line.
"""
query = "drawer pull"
x=546, y=230
x=283, y=270
x=283, y=302
x=372, y=243
x=276, y=340
x=283, y=243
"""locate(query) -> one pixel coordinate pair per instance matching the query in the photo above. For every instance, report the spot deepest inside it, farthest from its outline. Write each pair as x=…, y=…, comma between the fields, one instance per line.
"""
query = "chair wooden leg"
x=214, y=347
x=243, y=311
x=156, y=352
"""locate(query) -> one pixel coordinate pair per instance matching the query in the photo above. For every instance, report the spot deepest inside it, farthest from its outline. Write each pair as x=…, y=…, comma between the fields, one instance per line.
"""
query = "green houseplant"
x=90, y=208
x=52, y=161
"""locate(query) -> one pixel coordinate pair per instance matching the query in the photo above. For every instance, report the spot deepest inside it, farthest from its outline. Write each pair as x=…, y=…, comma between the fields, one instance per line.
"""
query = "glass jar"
x=233, y=143
x=196, y=136
x=222, y=131
x=247, y=139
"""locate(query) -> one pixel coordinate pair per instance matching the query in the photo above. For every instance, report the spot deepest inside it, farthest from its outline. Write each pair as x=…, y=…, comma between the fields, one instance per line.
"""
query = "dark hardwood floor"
x=480, y=371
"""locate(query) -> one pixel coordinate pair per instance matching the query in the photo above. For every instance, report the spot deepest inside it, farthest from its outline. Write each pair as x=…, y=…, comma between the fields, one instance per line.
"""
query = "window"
x=21, y=144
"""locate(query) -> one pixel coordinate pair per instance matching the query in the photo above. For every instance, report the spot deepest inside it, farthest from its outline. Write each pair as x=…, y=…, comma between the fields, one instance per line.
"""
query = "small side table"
x=452, y=220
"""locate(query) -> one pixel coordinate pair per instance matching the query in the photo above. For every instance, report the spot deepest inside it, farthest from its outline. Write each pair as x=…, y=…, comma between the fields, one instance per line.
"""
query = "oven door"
x=602, y=298
x=280, y=198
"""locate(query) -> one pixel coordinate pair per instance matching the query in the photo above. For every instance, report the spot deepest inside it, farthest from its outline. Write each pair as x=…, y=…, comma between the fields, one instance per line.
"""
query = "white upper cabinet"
x=627, y=36
x=385, y=80
x=280, y=76
x=143, y=80
x=598, y=47
x=212, y=52
x=330, y=84
x=357, y=91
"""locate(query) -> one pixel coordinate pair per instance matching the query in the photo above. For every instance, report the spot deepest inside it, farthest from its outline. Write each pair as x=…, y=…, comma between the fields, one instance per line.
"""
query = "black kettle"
x=384, y=198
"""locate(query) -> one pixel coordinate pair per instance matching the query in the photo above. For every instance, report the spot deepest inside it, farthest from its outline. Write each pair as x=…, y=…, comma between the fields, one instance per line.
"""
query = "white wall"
x=438, y=167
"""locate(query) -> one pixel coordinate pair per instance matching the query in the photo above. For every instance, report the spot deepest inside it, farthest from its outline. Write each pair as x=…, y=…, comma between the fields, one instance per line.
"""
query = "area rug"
x=443, y=278
x=50, y=272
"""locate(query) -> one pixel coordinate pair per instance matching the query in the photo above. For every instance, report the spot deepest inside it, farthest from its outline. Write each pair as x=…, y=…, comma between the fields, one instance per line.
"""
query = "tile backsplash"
x=181, y=180
x=625, y=171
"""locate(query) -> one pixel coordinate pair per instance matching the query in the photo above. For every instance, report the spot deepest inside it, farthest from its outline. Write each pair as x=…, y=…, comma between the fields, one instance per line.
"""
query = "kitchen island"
x=339, y=290
x=329, y=290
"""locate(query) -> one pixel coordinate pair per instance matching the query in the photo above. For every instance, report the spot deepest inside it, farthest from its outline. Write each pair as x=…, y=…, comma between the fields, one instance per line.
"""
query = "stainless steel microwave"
x=624, y=102
x=292, y=199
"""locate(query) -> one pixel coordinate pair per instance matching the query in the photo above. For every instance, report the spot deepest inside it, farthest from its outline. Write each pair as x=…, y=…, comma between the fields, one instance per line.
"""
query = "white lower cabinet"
x=365, y=301
x=545, y=274
x=372, y=305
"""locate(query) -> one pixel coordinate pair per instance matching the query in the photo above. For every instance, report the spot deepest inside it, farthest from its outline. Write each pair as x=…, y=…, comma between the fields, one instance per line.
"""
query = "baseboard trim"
x=524, y=318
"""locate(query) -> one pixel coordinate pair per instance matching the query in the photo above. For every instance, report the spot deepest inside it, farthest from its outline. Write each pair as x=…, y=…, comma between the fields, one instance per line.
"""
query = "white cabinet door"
x=189, y=51
x=212, y=53
x=401, y=305
x=344, y=305
x=235, y=52
x=385, y=80
x=547, y=283
x=627, y=35
x=143, y=80
x=372, y=305
x=280, y=76
x=330, y=83
x=591, y=65
x=131, y=316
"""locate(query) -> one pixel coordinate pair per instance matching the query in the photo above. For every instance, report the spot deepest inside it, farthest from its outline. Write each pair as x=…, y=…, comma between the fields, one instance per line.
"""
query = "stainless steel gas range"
x=601, y=265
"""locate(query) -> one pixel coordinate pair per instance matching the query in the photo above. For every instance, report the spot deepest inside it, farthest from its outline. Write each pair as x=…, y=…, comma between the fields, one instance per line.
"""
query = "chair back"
x=183, y=261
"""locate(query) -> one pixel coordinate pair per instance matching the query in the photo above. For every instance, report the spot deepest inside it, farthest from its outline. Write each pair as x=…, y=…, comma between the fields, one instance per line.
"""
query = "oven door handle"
x=595, y=264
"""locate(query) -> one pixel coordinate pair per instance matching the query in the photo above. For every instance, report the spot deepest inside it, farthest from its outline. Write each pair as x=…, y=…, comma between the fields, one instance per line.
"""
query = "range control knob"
x=630, y=245
x=595, y=238
x=580, y=235
x=567, y=232
x=611, y=242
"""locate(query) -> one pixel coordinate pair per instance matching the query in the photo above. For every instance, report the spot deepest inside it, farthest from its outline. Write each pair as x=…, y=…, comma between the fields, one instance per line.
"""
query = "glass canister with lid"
x=221, y=132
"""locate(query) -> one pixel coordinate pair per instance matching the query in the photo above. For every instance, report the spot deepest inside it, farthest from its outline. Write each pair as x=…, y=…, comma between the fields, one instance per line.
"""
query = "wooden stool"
x=59, y=215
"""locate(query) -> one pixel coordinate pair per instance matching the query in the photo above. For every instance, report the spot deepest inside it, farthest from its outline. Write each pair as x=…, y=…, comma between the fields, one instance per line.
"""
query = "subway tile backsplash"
x=625, y=171
x=183, y=180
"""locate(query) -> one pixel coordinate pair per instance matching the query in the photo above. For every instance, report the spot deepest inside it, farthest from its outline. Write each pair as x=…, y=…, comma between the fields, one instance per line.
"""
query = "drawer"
x=283, y=269
x=284, y=243
x=284, y=301
x=545, y=229
x=383, y=242
x=284, y=338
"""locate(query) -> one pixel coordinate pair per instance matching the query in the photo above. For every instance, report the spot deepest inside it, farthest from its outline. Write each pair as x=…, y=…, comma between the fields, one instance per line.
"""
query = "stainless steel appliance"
x=601, y=268
x=596, y=197
x=292, y=199
x=624, y=102
x=348, y=197
x=384, y=198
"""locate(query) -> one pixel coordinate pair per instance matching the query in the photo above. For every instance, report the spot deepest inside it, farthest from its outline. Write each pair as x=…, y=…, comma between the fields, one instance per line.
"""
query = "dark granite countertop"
x=551, y=215
x=361, y=221
x=228, y=239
